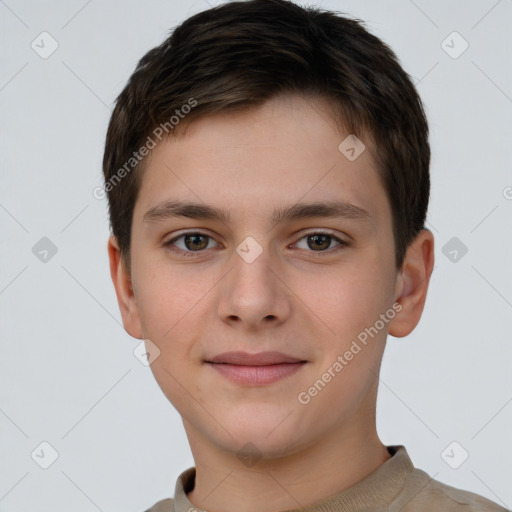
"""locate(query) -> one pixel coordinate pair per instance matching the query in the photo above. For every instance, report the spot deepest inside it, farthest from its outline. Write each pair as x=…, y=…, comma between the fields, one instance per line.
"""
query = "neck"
x=339, y=460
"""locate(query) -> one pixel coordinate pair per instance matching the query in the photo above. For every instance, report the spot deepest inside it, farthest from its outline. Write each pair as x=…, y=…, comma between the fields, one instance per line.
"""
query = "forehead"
x=282, y=152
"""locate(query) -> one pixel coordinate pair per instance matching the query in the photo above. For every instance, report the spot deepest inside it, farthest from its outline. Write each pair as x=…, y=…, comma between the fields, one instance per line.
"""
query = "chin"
x=262, y=436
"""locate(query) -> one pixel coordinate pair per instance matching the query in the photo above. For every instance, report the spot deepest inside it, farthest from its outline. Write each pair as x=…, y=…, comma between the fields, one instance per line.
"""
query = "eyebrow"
x=192, y=210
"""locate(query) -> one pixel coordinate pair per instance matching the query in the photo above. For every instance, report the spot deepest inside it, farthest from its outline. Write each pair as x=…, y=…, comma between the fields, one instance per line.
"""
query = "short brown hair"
x=243, y=53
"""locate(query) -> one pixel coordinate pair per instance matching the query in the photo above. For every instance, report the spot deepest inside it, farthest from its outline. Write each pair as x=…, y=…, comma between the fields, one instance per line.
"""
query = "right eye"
x=191, y=242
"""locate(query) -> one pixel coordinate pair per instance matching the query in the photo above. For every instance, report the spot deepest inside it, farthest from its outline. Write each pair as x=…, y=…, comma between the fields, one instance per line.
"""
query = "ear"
x=124, y=290
x=412, y=284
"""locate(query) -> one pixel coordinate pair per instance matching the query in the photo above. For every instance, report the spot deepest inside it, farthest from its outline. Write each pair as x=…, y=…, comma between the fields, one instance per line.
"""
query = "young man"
x=267, y=170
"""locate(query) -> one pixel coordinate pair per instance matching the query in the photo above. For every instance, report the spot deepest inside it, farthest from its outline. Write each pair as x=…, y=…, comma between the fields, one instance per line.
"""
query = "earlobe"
x=122, y=281
x=412, y=284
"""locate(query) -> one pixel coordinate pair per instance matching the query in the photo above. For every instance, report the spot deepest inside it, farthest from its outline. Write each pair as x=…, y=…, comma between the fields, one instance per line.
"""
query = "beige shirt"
x=395, y=486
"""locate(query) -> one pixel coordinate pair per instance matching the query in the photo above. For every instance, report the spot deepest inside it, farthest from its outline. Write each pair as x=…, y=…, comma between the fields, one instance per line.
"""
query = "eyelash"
x=193, y=254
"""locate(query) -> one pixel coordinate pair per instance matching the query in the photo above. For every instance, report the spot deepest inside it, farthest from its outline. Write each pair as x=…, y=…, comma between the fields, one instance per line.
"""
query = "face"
x=255, y=268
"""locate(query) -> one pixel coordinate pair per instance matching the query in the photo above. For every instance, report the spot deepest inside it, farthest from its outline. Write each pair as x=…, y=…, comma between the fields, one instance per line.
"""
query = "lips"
x=255, y=369
x=259, y=359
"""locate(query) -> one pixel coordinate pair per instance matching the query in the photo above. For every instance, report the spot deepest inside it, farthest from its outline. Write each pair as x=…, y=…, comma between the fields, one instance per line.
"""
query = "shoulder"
x=184, y=483
x=162, y=506
x=425, y=494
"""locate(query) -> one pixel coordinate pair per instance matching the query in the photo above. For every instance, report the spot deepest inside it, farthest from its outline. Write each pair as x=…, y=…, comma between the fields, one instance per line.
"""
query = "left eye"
x=319, y=241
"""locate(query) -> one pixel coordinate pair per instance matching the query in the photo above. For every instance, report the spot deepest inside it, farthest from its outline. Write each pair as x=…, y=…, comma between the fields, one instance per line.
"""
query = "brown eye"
x=196, y=241
x=321, y=242
x=189, y=243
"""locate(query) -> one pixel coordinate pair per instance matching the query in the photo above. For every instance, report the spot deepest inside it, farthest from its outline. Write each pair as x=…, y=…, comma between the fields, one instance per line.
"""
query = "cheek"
x=350, y=303
x=169, y=308
x=168, y=303
x=345, y=300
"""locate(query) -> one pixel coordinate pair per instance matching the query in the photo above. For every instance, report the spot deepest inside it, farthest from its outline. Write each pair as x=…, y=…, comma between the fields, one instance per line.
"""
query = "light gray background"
x=67, y=372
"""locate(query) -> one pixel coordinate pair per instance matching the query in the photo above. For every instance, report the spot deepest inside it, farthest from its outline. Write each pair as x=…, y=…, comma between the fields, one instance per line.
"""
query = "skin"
x=307, y=302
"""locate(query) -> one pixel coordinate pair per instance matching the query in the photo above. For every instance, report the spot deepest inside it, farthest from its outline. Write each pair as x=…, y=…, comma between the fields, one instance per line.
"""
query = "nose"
x=254, y=293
